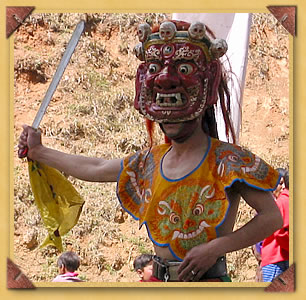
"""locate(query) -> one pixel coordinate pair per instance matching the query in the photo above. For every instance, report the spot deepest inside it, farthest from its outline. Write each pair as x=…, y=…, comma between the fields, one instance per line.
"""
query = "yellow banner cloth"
x=60, y=205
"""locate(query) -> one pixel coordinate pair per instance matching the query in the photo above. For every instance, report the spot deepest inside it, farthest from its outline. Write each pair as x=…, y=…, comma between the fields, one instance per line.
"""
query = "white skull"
x=218, y=48
x=143, y=32
x=197, y=30
x=138, y=51
x=167, y=31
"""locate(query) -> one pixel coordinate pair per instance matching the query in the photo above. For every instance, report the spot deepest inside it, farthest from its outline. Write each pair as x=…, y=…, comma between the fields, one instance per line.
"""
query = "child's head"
x=68, y=262
x=143, y=265
x=284, y=181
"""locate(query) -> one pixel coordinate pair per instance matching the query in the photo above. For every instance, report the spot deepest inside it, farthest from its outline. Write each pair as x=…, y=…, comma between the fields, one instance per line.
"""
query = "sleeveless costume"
x=185, y=212
x=180, y=80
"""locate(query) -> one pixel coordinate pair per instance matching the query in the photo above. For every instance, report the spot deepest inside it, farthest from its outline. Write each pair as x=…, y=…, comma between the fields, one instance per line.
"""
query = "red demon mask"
x=180, y=73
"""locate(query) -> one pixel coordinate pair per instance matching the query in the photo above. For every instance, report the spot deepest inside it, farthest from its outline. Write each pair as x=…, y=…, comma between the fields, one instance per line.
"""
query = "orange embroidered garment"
x=186, y=212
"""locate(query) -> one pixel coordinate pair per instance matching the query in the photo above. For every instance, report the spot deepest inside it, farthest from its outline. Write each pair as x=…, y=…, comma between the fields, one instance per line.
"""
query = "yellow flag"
x=60, y=205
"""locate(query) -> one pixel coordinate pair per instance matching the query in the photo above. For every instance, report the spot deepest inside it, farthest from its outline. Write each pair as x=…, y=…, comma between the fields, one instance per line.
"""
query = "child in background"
x=67, y=264
x=143, y=265
x=275, y=248
x=273, y=259
x=283, y=173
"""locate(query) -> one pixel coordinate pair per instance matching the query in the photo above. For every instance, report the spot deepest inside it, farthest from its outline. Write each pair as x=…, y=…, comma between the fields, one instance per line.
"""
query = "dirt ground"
x=265, y=131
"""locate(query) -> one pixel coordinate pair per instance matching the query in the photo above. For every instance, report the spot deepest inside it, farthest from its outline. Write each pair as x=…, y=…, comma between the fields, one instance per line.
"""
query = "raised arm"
x=81, y=167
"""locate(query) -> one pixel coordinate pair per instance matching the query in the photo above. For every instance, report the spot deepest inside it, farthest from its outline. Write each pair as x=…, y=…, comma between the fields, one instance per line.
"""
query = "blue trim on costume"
x=175, y=180
x=224, y=218
x=117, y=192
x=254, y=186
x=137, y=219
x=278, y=181
x=248, y=184
x=158, y=244
x=119, y=174
x=185, y=176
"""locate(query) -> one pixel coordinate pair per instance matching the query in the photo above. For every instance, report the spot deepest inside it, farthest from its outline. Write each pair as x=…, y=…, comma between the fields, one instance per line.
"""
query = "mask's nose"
x=167, y=78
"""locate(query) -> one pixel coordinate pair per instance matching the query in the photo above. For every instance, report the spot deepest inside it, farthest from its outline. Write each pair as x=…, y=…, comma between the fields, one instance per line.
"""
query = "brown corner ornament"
x=285, y=282
x=15, y=15
x=16, y=279
x=286, y=15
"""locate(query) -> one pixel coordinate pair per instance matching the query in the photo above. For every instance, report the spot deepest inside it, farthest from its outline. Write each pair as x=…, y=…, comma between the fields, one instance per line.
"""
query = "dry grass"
x=91, y=115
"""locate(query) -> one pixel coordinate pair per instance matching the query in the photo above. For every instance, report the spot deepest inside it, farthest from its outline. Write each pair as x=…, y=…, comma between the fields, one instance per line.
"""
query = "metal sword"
x=56, y=78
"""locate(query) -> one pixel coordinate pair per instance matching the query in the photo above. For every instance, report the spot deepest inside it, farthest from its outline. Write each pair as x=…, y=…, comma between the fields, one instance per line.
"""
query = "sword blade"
x=59, y=73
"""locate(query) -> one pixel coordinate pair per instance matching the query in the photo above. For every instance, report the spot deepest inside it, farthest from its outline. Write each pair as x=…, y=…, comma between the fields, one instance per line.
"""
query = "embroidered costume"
x=178, y=84
x=180, y=80
x=185, y=212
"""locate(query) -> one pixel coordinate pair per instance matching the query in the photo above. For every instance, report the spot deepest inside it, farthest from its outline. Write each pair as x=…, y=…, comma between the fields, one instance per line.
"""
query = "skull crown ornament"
x=180, y=71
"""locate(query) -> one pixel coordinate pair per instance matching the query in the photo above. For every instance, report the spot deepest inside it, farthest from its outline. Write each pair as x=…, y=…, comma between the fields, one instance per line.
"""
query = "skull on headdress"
x=197, y=30
x=218, y=48
x=167, y=31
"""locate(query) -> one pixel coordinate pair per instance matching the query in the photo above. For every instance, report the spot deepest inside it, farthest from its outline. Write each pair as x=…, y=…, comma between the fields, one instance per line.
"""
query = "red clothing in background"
x=152, y=279
x=275, y=248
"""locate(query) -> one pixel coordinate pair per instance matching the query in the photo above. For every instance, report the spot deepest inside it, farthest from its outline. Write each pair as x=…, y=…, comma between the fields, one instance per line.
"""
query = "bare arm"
x=268, y=220
x=265, y=223
x=84, y=168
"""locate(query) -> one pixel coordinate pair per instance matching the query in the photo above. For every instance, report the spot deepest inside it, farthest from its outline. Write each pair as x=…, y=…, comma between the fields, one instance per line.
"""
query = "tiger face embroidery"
x=188, y=215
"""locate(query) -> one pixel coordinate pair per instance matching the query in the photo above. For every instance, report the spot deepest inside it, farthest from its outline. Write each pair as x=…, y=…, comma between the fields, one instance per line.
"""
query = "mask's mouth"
x=175, y=99
x=173, y=106
x=171, y=100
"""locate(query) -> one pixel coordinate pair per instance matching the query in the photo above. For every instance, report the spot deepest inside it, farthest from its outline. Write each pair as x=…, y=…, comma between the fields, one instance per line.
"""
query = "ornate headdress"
x=180, y=77
x=194, y=34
